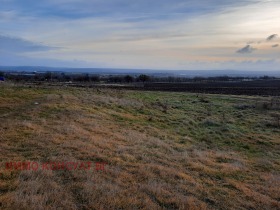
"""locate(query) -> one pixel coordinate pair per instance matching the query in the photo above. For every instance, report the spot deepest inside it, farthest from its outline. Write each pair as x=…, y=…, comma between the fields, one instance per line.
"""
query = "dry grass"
x=173, y=161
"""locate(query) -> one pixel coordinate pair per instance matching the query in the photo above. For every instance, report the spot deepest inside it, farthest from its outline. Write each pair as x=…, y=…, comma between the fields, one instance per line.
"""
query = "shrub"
x=276, y=119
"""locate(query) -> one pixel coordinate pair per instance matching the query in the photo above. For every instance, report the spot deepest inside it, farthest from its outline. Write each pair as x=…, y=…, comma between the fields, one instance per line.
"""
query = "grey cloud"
x=246, y=49
x=18, y=45
x=275, y=45
x=82, y=8
x=13, y=59
x=271, y=37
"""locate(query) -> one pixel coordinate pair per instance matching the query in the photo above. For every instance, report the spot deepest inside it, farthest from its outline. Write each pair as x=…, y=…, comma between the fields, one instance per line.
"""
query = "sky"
x=141, y=34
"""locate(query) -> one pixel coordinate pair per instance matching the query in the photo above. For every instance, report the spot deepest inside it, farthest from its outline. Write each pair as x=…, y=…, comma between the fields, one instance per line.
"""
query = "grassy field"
x=163, y=150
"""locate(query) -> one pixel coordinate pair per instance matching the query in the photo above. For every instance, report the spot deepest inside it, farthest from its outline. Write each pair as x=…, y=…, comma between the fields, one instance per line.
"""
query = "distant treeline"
x=84, y=77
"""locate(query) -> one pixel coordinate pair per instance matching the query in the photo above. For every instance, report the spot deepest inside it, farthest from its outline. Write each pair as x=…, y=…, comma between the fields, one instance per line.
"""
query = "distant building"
x=2, y=79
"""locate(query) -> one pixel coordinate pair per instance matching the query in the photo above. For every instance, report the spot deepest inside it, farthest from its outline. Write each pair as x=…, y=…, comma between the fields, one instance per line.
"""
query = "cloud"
x=271, y=37
x=18, y=45
x=128, y=34
x=12, y=59
x=95, y=8
x=275, y=45
x=246, y=49
x=7, y=15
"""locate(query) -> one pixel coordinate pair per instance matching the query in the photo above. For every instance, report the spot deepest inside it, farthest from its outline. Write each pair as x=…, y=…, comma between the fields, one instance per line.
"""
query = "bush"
x=275, y=103
x=210, y=122
x=276, y=119
x=243, y=106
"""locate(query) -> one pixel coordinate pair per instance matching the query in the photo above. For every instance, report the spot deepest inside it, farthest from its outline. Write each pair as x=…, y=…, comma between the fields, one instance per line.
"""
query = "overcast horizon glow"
x=159, y=34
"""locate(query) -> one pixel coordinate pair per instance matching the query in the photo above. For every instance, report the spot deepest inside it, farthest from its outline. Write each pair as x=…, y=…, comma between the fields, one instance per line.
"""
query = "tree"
x=95, y=78
x=198, y=79
x=48, y=75
x=128, y=79
x=86, y=78
x=143, y=78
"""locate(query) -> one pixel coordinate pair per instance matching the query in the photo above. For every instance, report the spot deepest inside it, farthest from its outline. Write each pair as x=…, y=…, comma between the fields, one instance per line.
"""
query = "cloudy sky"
x=158, y=34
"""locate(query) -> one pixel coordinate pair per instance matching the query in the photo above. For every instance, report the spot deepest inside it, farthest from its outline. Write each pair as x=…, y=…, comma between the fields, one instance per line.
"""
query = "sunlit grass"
x=164, y=150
